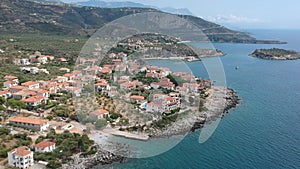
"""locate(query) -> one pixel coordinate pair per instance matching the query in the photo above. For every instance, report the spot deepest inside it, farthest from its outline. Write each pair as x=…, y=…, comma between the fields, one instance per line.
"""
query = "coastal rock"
x=102, y=157
x=216, y=106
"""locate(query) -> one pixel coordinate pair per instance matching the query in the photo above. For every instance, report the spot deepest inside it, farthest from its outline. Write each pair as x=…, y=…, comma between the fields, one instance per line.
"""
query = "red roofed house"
x=193, y=87
x=8, y=84
x=5, y=94
x=127, y=86
x=44, y=146
x=100, y=114
x=23, y=94
x=31, y=84
x=105, y=71
x=21, y=157
x=34, y=100
x=102, y=86
x=16, y=89
x=11, y=78
x=154, y=107
x=70, y=76
x=136, y=98
x=62, y=60
x=30, y=123
x=76, y=91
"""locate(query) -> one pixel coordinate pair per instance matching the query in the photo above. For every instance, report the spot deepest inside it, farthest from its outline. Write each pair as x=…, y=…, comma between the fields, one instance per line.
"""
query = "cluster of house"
x=163, y=103
x=33, y=70
x=135, y=43
x=30, y=92
x=37, y=58
x=22, y=157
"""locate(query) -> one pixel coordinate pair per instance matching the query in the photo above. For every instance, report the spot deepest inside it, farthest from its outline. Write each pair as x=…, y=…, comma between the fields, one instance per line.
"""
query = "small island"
x=276, y=54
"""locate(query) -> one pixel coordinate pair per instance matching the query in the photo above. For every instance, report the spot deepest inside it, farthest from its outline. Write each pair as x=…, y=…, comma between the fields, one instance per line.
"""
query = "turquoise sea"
x=263, y=131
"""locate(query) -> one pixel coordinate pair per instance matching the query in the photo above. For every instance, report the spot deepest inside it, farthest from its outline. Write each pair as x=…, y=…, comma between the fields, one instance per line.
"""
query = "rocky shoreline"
x=220, y=101
x=102, y=157
x=216, y=106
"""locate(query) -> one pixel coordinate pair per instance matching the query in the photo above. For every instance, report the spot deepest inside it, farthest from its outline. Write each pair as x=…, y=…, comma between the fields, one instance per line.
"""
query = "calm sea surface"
x=263, y=131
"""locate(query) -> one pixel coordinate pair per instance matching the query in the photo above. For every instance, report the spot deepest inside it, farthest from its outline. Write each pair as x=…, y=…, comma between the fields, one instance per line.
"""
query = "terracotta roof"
x=62, y=59
x=25, y=92
x=101, y=84
x=127, y=84
x=169, y=98
x=33, y=99
x=10, y=77
x=18, y=87
x=73, y=88
x=28, y=120
x=42, y=91
x=68, y=75
x=100, y=112
x=104, y=70
x=44, y=144
x=159, y=95
x=101, y=81
x=29, y=83
x=137, y=97
x=21, y=151
x=3, y=92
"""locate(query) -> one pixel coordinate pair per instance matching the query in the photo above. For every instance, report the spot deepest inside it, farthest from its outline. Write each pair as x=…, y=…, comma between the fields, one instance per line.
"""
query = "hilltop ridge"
x=23, y=16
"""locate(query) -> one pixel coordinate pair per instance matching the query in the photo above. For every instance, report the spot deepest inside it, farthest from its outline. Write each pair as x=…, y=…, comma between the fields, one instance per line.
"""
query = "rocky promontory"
x=219, y=102
x=275, y=54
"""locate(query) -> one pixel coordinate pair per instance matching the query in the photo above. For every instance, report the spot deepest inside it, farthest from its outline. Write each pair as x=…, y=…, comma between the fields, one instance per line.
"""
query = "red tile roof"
x=29, y=83
x=100, y=112
x=18, y=87
x=28, y=120
x=68, y=75
x=101, y=84
x=10, y=77
x=137, y=97
x=21, y=151
x=44, y=144
x=3, y=92
x=33, y=99
x=104, y=70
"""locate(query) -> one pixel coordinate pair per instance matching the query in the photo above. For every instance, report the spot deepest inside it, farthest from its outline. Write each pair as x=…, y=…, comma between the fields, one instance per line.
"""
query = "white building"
x=44, y=146
x=21, y=157
x=30, y=123
x=100, y=114
x=31, y=85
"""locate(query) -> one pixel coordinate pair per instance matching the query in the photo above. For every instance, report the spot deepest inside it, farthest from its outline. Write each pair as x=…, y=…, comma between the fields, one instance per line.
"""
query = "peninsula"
x=276, y=54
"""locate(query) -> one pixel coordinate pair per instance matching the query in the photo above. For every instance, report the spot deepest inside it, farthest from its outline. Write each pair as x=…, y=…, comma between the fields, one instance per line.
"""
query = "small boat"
x=236, y=68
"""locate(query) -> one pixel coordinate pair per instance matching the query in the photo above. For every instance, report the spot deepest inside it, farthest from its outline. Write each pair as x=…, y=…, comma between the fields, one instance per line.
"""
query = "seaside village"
x=39, y=107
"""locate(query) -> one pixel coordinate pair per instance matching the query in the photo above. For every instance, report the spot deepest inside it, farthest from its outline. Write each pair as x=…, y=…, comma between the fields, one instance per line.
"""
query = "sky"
x=239, y=14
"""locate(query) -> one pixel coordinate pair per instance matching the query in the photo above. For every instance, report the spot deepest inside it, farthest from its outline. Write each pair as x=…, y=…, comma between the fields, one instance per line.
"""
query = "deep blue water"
x=263, y=131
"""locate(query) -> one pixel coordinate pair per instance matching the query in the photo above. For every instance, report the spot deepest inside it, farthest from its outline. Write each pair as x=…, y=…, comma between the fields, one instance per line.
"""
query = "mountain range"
x=23, y=16
x=103, y=4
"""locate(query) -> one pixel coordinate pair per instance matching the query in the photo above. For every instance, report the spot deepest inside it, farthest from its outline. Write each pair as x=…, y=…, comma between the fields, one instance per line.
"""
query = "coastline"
x=218, y=104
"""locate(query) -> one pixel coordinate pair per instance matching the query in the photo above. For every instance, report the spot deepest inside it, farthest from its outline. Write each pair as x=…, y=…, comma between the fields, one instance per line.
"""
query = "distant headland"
x=276, y=54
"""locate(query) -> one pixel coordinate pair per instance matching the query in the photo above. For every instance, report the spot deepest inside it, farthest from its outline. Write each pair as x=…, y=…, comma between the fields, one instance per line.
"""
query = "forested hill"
x=23, y=16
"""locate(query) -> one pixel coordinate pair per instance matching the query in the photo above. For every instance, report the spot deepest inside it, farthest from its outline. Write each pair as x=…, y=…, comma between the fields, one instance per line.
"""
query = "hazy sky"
x=280, y=14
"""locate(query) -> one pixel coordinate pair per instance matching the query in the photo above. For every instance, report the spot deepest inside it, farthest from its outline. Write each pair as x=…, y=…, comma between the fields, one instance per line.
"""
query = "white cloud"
x=234, y=19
